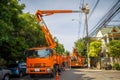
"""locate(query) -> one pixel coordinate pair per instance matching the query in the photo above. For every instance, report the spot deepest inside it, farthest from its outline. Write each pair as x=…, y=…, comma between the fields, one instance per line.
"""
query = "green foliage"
x=67, y=53
x=95, y=48
x=81, y=47
x=116, y=66
x=2, y=62
x=5, y=30
x=31, y=30
x=18, y=31
x=114, y=48
x=59, y=48
x=9, y=43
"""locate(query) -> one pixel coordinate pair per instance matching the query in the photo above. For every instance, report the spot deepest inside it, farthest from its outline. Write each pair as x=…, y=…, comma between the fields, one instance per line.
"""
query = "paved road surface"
x=86, y=74
x=81, y=74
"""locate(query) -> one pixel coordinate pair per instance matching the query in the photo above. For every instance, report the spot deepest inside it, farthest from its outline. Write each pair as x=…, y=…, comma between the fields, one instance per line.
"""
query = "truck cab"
x=41, y=61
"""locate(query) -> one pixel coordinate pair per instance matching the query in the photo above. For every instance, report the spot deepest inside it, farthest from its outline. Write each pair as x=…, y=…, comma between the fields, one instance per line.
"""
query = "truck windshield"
x=74, y=59
x=38, y=53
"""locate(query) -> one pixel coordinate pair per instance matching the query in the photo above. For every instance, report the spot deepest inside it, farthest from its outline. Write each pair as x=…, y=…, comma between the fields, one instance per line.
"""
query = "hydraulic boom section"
x=50, y=12
x=40, y=13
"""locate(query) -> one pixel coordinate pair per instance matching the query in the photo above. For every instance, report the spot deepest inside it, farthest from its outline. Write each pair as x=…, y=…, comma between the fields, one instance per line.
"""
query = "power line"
x=93, y=28
x=81, y=4
x=80, y=17
x=107, y=18
x=80, y=21
x=92, y=11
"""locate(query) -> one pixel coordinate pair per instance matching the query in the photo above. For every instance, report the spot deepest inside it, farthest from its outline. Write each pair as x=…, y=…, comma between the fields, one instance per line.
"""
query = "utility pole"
x=85, y=10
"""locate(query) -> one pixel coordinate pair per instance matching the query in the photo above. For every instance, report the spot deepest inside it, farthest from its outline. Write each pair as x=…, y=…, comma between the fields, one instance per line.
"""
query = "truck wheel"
x=21, y=74
x=6, y=77
x=53, y=73
x=32, y=75
x=59, y=71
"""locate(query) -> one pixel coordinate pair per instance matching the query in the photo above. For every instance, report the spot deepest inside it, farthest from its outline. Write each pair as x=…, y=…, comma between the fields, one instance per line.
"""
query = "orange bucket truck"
x=44, y=60
x=75, y=60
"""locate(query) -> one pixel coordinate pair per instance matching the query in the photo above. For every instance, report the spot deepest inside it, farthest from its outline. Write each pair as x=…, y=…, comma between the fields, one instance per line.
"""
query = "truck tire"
x=6, y=77
x=53, y=73
x=32, y=75
x=21, y=74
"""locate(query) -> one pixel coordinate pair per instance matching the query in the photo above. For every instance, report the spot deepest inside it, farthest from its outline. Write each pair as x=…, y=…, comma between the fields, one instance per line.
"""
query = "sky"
x=68, y=27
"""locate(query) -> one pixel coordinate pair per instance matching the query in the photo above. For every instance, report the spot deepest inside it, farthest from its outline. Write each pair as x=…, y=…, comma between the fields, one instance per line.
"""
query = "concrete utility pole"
x=85, y=10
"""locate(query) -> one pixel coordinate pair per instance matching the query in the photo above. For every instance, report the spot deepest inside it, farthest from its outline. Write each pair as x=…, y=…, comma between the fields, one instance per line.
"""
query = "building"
x=106, y=35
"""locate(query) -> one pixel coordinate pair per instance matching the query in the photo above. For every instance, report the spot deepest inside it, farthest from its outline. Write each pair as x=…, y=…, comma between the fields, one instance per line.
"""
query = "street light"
x=85, y=10
x=78, y=26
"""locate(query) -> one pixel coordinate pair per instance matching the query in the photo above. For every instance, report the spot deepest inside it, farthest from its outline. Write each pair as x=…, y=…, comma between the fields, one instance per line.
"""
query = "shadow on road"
x=75, y=74
x=40, y=77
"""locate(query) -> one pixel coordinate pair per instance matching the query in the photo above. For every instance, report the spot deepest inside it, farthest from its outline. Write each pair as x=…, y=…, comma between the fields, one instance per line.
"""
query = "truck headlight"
x=48, y=70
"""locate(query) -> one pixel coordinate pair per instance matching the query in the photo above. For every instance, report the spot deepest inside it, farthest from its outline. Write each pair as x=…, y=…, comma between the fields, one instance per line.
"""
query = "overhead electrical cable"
x=80, y=18
x=81, y=5
x=93, y=28
x=106, y=19
x=93, y=9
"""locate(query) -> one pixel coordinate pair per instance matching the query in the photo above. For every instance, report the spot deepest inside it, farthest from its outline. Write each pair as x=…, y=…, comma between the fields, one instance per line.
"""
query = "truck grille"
x=38, y=65
x=38, y=71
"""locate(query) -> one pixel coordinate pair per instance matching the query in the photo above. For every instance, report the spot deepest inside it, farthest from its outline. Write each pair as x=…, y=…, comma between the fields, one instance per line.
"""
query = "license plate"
x=76, y=64
x=37, y=69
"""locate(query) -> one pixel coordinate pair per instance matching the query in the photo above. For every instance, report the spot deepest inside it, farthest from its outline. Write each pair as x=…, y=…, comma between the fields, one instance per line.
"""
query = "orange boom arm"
x=40, y=13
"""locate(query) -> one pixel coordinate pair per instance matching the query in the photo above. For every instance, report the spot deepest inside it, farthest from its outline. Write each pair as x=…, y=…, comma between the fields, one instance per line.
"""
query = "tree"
x=67, y=53
x=59, y=47
x=9, y=10
x=81, y=47
x=95, y=48
x=31, y=30
x=18, y=31
x=114, y=49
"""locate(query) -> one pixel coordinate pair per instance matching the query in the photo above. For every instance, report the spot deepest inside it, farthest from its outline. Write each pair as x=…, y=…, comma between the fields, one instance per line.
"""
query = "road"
x=80, y=74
